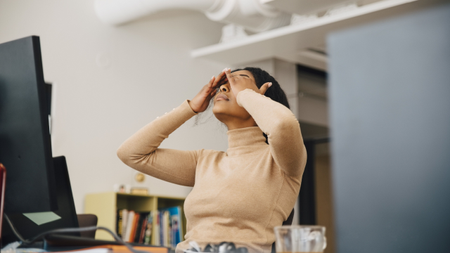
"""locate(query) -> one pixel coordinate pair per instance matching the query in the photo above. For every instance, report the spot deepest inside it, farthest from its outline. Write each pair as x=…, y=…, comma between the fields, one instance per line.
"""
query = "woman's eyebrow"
x=244, y=75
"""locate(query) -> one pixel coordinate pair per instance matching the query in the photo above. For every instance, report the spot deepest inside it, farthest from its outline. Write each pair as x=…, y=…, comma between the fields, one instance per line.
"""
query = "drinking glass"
x=310, y=239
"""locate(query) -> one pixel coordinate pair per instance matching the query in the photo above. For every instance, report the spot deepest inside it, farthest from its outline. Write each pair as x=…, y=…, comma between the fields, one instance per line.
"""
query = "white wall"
x=110, y=81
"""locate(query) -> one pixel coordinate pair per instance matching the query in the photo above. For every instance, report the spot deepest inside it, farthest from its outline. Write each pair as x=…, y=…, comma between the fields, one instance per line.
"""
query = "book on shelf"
x=128, y=226
x=170, y=226
x=119, y=222
x=156, y=229
x=162, y=227
x=148, y=229
x=124, y=222
x=134, y=227
x=141, y=229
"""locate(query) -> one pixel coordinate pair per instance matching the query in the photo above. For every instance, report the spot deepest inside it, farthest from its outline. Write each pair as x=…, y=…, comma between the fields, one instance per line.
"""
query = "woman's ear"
x=264, y=88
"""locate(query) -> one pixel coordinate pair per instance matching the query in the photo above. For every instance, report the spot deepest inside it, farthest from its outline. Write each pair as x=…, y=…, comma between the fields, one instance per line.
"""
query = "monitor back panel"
x=25, y=146
x=390, y=133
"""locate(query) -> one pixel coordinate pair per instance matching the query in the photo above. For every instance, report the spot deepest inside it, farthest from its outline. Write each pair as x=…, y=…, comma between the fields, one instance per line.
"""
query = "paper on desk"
x=91, y=250
x=27, y=250
x=42, y=217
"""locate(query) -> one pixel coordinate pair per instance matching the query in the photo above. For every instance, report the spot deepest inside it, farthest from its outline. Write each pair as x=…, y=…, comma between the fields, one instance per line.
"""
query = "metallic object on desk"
x=139, y=177
x=223, y=247
x=139, y=190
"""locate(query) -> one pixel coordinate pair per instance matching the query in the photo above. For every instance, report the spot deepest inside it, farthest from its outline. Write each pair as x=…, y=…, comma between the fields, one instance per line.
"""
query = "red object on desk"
x=2, y=195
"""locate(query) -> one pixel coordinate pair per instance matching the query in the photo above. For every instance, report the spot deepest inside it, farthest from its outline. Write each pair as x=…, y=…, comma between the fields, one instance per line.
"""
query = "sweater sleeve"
x=282, y=128
x=141, y=151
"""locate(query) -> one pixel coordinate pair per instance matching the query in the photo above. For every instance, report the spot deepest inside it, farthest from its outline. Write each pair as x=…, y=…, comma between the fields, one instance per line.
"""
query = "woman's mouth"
x=221, y=97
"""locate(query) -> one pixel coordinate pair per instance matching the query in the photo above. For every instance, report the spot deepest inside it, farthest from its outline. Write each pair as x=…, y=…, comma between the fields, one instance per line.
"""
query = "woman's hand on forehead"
x=201, y=101
x=240, y=82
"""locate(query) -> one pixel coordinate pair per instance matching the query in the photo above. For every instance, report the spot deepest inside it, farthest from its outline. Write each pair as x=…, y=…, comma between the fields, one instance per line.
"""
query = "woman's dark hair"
x=274, y=92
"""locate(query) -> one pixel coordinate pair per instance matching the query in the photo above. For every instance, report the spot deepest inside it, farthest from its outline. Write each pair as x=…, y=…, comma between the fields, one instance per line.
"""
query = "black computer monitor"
x=25, y=146
x=36, y=183
x=66, y=212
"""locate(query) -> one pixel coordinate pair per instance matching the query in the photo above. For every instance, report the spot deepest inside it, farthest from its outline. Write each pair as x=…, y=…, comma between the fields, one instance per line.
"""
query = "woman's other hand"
x=201, y=101
x=240, y=82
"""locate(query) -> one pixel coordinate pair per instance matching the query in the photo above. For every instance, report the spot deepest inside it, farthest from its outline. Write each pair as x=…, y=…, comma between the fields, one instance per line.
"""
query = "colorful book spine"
x=119, y=222
x=171, y=226
x=143, y=223
x=129, y=226
x=157, y=229
x=123, y=223
x=134, y=226
x=162, y=227
x=149, y=229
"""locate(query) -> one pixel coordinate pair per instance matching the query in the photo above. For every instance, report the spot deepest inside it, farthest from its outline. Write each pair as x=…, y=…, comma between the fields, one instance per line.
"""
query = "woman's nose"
x=224, y=88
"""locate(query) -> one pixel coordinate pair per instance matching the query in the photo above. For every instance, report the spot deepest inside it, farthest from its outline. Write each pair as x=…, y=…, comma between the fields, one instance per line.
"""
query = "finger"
x=211, y=81
x=223, y=81
x=222, y=73
x=230, y=78
x=264, y=88
x=219, y=79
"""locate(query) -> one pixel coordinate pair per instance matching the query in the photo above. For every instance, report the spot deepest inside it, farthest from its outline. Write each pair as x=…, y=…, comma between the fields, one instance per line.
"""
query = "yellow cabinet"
x=105, y=206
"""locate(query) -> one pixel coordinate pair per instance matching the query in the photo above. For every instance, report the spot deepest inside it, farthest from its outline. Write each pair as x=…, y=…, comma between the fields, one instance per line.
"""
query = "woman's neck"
x=236, y=123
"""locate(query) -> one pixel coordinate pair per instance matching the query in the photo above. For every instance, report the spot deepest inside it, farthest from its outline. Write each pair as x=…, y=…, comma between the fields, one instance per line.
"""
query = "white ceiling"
x=293, y=43
x=302, y=7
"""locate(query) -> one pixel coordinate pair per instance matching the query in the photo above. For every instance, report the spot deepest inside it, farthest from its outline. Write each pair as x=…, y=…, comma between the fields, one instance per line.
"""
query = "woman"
x=239, y=195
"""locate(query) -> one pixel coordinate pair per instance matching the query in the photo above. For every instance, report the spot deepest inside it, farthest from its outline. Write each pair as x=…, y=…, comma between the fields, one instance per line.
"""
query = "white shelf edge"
x=292, y=29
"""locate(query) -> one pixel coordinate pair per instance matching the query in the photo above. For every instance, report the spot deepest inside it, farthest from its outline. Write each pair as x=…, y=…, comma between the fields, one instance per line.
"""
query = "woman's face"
x=226, y=108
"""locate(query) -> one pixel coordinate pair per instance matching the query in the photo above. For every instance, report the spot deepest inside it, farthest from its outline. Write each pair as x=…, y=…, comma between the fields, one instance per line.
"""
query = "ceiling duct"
x=250, y=14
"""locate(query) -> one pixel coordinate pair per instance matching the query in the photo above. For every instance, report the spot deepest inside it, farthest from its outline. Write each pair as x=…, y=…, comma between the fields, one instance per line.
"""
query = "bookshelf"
x=106, y=204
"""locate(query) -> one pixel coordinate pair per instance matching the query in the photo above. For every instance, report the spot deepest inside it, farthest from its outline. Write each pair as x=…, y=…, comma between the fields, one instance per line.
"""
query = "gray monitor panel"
x=389, y=90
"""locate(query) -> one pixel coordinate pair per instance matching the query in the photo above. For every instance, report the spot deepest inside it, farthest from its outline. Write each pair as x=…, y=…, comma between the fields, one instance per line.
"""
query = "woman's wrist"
x=190, y=106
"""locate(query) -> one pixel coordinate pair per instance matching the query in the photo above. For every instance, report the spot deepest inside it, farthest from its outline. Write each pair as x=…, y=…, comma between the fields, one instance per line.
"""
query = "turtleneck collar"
x=247, y=136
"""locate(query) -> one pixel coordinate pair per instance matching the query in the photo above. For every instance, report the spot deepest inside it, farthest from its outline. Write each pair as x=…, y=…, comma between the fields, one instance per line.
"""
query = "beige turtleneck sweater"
x=239, y=195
